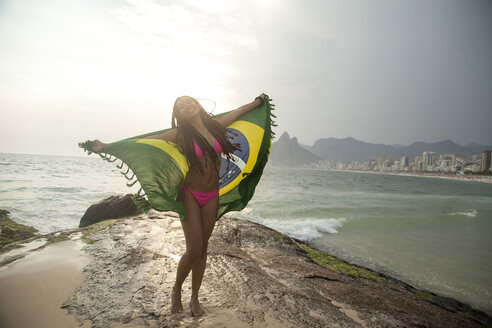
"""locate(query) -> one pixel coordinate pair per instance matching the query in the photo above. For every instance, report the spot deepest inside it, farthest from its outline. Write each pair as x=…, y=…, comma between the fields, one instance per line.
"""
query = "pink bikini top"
x=199, y=153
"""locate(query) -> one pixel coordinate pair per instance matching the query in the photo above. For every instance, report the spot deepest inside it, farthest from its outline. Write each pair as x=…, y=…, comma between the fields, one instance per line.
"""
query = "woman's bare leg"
x=209, y=216
x=193, y=233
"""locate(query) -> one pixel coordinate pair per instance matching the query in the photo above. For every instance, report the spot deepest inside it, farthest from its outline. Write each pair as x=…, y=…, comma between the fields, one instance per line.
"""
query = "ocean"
x=432, y=233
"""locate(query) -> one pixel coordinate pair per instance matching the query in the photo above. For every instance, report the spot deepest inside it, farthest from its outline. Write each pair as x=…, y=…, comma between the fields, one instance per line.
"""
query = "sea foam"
x=469, y=213
x=302, y=228
x=306, y=228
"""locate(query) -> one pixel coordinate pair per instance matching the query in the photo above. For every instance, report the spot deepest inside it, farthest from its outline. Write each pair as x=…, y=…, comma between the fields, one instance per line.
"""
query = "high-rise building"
x=429, y=159
x=432, y=158
x=381, y=160
x=404, y=161
x=485, y=161
x=416, y=161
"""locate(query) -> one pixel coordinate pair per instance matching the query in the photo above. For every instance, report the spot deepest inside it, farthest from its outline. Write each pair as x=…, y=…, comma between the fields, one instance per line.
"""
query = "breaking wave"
x=469, y=213
x=303, y=228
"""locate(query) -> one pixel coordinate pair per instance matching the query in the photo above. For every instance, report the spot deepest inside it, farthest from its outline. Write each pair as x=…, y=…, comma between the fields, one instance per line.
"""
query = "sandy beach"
x=475, y=178
x=33, y=288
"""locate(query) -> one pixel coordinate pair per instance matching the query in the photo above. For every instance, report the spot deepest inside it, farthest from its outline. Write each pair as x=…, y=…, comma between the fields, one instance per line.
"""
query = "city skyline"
x=354, y=154
x=416, y=147
x=427, y=163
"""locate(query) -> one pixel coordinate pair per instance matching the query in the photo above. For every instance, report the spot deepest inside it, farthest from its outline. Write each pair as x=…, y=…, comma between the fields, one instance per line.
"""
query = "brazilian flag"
x=160, y=168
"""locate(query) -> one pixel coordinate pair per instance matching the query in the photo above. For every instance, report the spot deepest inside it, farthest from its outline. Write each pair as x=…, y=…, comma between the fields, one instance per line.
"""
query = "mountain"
x=441, y=147
x=287, y=152
x=350, y=149
x=444, y=147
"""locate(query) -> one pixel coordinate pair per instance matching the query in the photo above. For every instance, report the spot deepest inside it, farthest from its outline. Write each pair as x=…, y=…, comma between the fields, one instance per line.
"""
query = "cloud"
x=187, y=28
x=188, y=44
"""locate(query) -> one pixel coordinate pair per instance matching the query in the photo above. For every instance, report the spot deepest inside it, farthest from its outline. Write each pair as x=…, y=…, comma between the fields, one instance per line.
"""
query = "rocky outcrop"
x=255, y=277
x=11, y=231
x=113, y=207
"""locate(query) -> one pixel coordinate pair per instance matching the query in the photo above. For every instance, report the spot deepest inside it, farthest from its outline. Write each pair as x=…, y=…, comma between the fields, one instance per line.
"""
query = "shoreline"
x=446, y=302
x=53, y=261
x=475, y=178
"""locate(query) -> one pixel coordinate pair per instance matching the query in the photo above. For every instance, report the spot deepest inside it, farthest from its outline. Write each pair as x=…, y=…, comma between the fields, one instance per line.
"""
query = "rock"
x=255, y=277
x=113, y=207
x=11, y=231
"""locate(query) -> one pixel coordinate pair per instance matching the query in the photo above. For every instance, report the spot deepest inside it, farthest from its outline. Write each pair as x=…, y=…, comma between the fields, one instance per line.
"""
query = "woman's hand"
x=229, y=118
x=260, y=99
x=92, y=146
x=98, y=146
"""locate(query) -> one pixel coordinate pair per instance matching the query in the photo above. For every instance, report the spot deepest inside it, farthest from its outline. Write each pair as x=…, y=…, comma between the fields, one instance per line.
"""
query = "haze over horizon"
x=384, y=143
x=83, y=154
x=381, y=71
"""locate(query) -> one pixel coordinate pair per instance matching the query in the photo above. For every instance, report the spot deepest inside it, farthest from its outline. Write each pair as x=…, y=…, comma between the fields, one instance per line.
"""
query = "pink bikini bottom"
x=202, y=198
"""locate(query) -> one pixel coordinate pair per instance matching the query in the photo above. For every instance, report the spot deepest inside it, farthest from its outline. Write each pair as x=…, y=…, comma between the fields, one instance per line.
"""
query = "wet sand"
x=33, y=289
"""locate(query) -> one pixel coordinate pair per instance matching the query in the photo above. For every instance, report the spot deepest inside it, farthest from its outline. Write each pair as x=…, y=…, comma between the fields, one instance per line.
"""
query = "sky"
x=381, y=71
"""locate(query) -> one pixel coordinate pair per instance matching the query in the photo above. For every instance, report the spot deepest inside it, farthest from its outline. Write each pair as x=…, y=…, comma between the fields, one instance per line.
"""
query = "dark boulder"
x=113, y=207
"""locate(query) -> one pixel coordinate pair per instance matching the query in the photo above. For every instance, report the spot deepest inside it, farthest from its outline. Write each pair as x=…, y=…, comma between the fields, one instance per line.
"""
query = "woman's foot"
x=196, y=309
x=176, y=305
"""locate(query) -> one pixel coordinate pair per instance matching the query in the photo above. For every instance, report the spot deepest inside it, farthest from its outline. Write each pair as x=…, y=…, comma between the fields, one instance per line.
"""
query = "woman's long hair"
x=186, y=134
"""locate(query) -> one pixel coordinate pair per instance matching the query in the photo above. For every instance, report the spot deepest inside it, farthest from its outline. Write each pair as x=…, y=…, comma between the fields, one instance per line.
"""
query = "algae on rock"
x=330, y=262
x=11, y=231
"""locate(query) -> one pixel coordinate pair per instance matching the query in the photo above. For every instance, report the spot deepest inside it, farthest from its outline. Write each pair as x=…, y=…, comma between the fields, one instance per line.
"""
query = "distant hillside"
x=350, y=149
x=441, y=147
x=287, y=152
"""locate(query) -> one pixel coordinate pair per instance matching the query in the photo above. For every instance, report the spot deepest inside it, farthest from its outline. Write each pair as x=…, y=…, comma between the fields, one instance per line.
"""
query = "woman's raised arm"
x=229, y=118
x=97, y=146
x=169, y=135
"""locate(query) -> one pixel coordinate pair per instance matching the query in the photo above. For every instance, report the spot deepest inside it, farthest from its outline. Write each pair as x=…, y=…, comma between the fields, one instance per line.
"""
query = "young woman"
x=201, y=137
